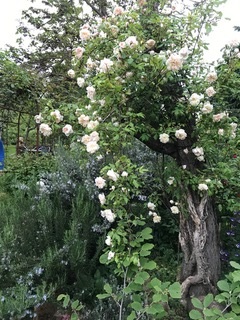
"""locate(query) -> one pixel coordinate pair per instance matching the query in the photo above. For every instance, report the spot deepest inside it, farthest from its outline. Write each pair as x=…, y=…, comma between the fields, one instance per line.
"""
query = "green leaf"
x=235, y=265
x=235, y=308
x=60, y=297
x=157, y=297
x=150, y=265
x=137, y=306
x=75, y=304
x=107, y=288
x=223, y=285
x=195, y=315
x=147, y=246
x=66, y=301
x=209, y=313
x=208, y=300
x=156, y=284
x=132, y=316
x=103, y=296
x=147, y=233
x=197, y=303
x=141, y=277
x=74, y=316
x=175, y=290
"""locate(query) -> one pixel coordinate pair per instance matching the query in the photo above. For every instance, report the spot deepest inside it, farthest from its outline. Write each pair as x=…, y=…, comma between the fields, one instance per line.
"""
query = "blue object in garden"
x=1, y=155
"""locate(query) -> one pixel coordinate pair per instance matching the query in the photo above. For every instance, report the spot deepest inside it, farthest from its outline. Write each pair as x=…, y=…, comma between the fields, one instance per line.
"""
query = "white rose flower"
x=201, y=158
x=221, y=132
x=86, y=139
x=195, y=99
x=210, y=91
x=151, y=206
x=91, y=92
x=45, y=129
x=100, y=182
x=67, y=129
x=131, y=42
x=181, y=134
x=84, y=34
x=211, y=77
x=118, y=11
x=105, y=65
x=71, y=73
x=83, y=120
x=124, y=174
x=92, y=147
x=94, y=136
x=112, y=175
x=150, y=43
x=38, y=118
x=184, y=52
x=164, y=138
x=102, y=198
x=92, y=124
x=111, y=255
x=207, y=107
x=174, y=209
x=108, y=241
x=198, y=151
x=80, y=82
x=57, y=116
x=170, y=180
x=156, y=219
x=108, y=214
x=202, y=187
x=174, y=62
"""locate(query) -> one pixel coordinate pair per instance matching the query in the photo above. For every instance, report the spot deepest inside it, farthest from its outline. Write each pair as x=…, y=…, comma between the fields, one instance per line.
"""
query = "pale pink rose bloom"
x=218, y=117
x=211, y=77
x=122, y=45
x=83, y=120
x=210, y=91
x=79, y=52
x=38, y=118
x=84, y=34
x=91, y=92
x=94, y=136
x=181, y=134
x=105, y=65
x=71, y=73
x=131, y=41
x=92, y=124
x=100, y=182
x=67, y=129
x=92, y=147
x=85, y=139
x=118, y=11
x=57, y=116
x=150, y=43
x=174, y=62
x=45, y=129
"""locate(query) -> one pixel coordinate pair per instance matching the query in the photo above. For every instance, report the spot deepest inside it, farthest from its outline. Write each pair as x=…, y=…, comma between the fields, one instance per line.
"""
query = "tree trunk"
x=200, y=246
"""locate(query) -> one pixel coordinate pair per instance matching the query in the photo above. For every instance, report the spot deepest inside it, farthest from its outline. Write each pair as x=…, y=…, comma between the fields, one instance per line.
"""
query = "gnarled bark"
x=200, y=245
